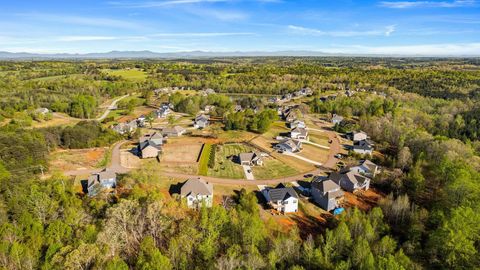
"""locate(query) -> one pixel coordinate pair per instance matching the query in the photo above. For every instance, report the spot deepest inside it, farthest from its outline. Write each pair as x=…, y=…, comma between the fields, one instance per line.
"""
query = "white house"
x=288, y=145
x=299, y=133
x=366, y=167
x=298, y=124
x=197, y=192
x=201, y=121
x=282, y=199
x=362, y=147
x=175, y=131
x=358, y=136
x=326, y=193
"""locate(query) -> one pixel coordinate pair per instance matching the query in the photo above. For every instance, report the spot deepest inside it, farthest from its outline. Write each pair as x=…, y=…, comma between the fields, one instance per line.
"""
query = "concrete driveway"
x=248, y=172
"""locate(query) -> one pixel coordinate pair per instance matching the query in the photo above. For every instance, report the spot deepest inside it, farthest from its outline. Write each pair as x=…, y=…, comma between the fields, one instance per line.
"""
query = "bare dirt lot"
x=74, y=159
x=178, y=152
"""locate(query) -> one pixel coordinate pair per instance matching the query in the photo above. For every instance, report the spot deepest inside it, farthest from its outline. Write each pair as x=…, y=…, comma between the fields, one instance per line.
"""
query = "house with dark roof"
x=175, y=131
x=362, y=147
x=350, y=181
x=299, y=133
x=150, y=146
x=366, y=167
x=288, y=145
x=250, y=159
x=197, y=193
x=326, y=193
x=103, y=180
x=282, y=199
x=201, y=121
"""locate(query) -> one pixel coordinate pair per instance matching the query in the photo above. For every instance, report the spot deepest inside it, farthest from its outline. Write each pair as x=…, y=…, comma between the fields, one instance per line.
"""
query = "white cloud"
x=316, y=32
x=428, y=4
x=81, y=20
x=206, y=34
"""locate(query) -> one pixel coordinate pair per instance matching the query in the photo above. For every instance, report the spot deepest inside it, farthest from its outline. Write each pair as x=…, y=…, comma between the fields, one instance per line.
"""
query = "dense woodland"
x=427, y=128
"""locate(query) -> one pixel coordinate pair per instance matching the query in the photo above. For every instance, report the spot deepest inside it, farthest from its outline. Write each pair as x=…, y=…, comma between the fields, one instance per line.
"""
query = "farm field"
x=179, y=152
x=128, y=74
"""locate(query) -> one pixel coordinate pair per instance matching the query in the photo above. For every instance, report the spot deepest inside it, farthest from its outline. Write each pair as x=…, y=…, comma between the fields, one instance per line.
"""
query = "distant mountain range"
x=173, y=55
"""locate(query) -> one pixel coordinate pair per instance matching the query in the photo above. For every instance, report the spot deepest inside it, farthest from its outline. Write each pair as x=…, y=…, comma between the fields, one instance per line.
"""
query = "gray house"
x=97, y=182
x=366, y=167
x=288, y=145
x=250, y=159
x=282, y=199
x=350, y=181
x=201, y=121
x=326, y=193
x=150, y=146
x=337, y=119
x=175, y=131
x=362, y=147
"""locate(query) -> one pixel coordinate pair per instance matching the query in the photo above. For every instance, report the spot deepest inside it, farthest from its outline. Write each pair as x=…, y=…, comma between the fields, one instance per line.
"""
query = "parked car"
x=339, y=156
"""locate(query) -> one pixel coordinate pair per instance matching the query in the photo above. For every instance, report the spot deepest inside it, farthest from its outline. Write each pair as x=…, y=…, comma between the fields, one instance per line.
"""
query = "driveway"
x=248, y=172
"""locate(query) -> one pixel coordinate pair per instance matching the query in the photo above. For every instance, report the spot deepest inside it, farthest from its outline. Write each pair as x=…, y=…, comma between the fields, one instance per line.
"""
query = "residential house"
x=299, y=133
x=292, y=115
x=175, y=131
x=238, y=108
x=366, y=167
x=250, y=159
x=289, y=146
x=42, y=111
x=362, y=147
x=350, y=181
x=141, y=121
x=201, y=121
x=197, y=192
x=97, y=182
x=337, y=119
x=298, y=124
x=150, y=145
x=357, y=136
x=126, y=128
x=326, y=193
x=163, y=111
x=349, y=93
x=283, y=199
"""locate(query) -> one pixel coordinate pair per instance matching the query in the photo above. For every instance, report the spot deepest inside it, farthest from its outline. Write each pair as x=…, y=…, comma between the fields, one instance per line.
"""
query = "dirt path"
x=100, y=118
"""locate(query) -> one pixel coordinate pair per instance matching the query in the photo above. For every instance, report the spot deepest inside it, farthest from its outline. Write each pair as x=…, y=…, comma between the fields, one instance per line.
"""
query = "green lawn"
x=128, y=74
x=203, y=164
x=224, y=167
x=317, y=138
x=273, y=168
x=276, y=129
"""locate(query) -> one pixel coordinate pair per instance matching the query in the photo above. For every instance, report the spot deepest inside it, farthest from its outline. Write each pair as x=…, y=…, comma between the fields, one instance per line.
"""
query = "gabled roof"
x=364, y=145
x=105, y=174
x=337, y=117
x=294, y=144
x=202, y=118
x=370, y=165
x=301, y=131
x=325, y=185
x=248, y=157
x=196, y=186
x=281, y=194
x=175, y=129
x=356, y=178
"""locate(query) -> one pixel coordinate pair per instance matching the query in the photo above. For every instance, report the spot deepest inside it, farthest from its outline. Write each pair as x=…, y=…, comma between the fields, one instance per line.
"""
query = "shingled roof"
x=281, y=194
x=196, y=186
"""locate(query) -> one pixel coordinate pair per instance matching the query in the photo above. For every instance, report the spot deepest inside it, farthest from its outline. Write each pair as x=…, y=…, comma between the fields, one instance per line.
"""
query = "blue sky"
x=446, y=27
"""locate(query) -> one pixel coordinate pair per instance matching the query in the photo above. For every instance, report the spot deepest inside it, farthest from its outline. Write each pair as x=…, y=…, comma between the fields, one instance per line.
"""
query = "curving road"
x=335, y=147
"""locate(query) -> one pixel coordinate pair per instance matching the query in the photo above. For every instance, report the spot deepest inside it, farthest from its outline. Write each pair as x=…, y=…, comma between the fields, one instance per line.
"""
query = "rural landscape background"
x=273, y=134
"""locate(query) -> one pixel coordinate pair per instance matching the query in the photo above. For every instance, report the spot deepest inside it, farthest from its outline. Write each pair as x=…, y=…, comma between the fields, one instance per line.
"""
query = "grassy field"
x=314, y=153
x=317, y=137
x=128, y=74
x=77, y=158
x=180, y=152
x=273, y=168
x=224, y=167
x=203, y=163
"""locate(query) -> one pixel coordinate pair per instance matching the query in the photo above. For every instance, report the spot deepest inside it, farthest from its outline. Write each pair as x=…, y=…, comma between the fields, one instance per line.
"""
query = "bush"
x=211, y=158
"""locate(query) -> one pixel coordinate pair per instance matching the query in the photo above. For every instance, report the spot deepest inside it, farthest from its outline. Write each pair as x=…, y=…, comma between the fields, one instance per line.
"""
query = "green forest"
x=423, y=114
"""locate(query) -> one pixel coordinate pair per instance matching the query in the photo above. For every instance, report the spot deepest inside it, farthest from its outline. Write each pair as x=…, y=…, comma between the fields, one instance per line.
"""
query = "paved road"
x=100, y=118
x=115, y=164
